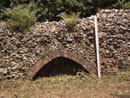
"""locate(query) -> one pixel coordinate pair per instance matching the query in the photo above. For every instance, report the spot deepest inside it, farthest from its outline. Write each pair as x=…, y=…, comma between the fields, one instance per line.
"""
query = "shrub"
x=126, y=5
x=70, y=19
x=49, y=9
x=121, y=4
x=20, y=18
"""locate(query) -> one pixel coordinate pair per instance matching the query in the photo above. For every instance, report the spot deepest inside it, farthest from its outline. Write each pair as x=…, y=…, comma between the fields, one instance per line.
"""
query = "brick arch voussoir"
x=59, y=53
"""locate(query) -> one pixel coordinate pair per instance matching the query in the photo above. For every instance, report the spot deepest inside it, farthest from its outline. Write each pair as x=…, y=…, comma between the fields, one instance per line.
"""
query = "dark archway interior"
x=60, y=66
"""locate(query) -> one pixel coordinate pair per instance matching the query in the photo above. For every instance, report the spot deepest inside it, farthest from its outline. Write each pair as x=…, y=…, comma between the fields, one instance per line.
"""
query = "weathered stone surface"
x=20, y=51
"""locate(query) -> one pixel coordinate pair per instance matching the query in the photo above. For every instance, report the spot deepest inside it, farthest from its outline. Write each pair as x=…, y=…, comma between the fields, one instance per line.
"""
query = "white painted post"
x=97, y=47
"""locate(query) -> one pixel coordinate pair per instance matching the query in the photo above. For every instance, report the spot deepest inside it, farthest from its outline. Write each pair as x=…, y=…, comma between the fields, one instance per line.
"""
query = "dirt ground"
x=65, y=86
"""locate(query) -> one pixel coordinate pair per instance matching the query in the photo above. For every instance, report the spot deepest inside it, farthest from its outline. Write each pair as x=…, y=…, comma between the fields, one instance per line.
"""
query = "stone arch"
x=84, y=62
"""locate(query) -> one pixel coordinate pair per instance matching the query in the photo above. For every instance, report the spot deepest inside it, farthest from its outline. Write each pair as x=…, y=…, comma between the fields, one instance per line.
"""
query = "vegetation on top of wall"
x=21, y=14
x=70, y=19
x=49, y=9
x=20, y=18
x=121, y=4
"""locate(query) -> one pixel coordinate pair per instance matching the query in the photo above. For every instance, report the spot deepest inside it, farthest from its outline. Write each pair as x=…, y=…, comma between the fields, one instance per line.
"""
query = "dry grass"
x=2, y=25
x=80, y=86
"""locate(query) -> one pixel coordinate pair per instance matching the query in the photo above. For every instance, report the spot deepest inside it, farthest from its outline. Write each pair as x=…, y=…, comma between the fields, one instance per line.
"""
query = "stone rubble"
x=20, y=51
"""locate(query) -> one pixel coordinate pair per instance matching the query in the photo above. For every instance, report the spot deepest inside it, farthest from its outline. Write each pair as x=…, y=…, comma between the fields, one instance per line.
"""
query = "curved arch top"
x=85, y=63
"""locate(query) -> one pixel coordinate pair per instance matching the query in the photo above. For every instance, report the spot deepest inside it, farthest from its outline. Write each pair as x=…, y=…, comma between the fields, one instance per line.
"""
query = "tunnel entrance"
x=59, y=66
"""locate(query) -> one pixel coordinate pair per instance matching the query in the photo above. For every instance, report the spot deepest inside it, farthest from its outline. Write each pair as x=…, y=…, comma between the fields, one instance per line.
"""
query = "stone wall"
x=20, y=51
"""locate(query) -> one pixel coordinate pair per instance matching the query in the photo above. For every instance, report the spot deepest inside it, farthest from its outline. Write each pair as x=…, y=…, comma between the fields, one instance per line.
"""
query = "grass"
x=2, y=25
x=64, y=86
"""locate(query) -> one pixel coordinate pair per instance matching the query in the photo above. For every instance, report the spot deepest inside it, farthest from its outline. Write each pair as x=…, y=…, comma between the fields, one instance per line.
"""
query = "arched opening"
x=59, y=66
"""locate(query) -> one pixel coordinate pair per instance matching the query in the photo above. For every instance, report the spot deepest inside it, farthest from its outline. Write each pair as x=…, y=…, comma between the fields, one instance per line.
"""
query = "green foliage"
x=45, y=51
x=43, y=54
x=20, y=18
x=119, y=4
x=124, y=62
x=85, y=46
x=122, y=4
x=70, y=19
x=49, y=9
x=2, y=15
x=125, y=65
x=126, y=5
x=4, y=3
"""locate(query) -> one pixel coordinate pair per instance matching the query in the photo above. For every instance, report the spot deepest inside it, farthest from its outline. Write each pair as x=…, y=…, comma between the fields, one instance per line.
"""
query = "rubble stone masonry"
x=23, y=54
